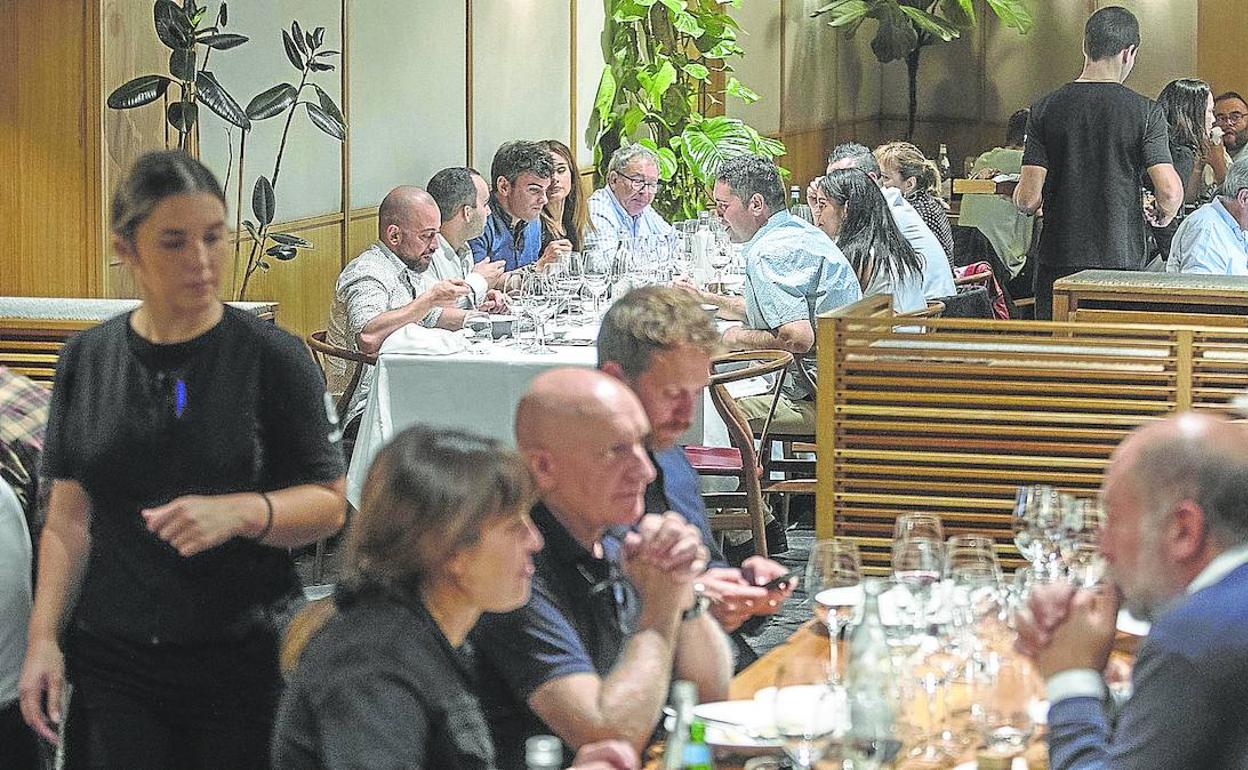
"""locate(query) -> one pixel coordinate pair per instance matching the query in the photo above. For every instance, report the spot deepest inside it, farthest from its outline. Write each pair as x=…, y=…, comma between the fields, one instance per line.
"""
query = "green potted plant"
x=666, y=59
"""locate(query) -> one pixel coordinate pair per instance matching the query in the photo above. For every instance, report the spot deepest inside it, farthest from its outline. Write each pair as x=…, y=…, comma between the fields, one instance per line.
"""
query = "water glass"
x=834, y=582
x=920, y=525
x=807, y=711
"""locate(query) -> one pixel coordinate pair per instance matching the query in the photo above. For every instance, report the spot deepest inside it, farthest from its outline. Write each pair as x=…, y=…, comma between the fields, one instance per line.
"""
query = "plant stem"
x=238, y=206
x=290, y=116
x=912, y=73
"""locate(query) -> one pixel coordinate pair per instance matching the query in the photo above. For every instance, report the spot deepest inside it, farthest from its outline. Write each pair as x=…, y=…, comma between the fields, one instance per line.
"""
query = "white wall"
x=408, y=94
x=521, y=65
x=311, y=173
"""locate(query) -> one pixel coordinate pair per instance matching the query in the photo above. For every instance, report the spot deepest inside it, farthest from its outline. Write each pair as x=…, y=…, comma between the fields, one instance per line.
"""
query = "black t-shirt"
x=240, y=408
x=379, y=686
x=1096, y=140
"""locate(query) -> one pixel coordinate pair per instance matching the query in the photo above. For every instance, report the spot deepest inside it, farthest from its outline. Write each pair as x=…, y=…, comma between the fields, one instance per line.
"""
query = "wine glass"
x=806, y=710
x=540, y=294
x=1002, y=691
x=479, y=329
x=834, y=580
x=918, y=524
x=1037, y=523
x=598, y=272
x=572, y=278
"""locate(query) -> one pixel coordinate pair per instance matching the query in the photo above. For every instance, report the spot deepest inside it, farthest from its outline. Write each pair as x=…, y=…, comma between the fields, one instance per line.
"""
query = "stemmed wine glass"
x=916, y=524
x=1038, y=519
x=1080, y=542
x=571, y=279
x=806, y=710
x=597, y=273
x=834, y=580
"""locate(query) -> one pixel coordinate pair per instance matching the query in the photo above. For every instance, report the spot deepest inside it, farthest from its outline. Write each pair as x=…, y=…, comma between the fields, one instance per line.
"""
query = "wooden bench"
x=34, y=329
x=953, y=418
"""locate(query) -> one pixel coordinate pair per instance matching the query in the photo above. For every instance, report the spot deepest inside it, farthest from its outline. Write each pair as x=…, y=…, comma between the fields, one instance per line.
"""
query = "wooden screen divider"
x=30, y=347
x=952, y=415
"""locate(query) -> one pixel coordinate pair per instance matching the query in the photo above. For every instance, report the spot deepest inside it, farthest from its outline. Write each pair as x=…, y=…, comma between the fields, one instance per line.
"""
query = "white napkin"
x=416, y=340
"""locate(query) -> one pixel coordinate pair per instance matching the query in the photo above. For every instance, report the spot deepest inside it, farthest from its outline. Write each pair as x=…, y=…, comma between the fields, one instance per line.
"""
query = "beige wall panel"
x=590, y=20
x=759, y=69
x=310, y=180
x=362, y=232
x=1222, y=29
x=408, y=93
x=810, y=77
x=1022, y=69
x=1168, y=42
x=521, y=77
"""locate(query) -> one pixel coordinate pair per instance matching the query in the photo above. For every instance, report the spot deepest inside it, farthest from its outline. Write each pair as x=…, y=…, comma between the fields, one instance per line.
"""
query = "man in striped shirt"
x=622, y=209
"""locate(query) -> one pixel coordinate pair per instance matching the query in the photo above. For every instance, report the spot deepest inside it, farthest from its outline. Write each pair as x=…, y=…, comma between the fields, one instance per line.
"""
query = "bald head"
x=559, y=399
x=401, y=205
x=583, y=435
x=1196, y=456
x=407, y=223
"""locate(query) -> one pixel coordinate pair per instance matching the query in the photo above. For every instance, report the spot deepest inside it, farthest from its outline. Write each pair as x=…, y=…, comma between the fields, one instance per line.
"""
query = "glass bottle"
x=871, y=739
x=697, y=755
x=946, y=172
x=684, y=697
x=543, y=752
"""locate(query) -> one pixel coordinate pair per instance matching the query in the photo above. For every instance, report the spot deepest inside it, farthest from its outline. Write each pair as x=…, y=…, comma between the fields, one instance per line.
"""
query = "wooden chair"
x=322, y=349
x=302, y=627
x=935, y=309
x=740, y=460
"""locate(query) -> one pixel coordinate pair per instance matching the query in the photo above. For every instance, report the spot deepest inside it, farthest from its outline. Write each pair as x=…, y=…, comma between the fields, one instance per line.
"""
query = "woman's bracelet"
x=268, y=519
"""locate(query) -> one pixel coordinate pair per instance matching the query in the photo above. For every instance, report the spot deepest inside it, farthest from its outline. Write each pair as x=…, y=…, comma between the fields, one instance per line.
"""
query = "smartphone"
x=779, y=582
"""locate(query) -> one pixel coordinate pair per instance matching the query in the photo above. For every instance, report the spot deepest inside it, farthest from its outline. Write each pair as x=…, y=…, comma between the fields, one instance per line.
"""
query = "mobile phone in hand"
x=779, y=582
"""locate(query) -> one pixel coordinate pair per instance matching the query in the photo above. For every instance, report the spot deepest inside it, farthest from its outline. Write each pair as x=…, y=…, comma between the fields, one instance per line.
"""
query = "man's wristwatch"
x=700, y=602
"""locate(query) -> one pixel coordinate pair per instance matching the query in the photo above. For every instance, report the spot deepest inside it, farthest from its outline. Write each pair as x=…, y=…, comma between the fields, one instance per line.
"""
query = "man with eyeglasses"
x=384, y=289
x=521, y=171
x=1231, y=113
x=613, y=616
x=623, y=208
x=1212, y=240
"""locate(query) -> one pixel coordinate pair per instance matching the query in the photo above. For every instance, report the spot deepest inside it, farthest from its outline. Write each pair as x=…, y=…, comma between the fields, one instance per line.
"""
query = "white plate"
x=1129, y=624
x=738, y=741
x=1019, y=764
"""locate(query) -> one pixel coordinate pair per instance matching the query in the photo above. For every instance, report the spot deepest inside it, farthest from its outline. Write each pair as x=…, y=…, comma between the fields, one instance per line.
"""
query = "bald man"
x=1175, y=544
x=613, y=617
x=386, y=288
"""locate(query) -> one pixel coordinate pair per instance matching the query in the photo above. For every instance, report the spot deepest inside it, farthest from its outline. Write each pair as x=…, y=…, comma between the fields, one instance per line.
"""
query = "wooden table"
x=1132, y=296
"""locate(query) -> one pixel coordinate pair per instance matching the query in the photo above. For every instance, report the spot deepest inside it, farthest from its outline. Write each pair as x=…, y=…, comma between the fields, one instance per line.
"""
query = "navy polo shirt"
x=579, y=616
x=517, y=245
x=676, y=488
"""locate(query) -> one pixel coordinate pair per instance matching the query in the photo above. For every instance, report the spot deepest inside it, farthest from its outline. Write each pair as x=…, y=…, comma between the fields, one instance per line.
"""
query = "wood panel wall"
x=1222, y=29
x=50, y=183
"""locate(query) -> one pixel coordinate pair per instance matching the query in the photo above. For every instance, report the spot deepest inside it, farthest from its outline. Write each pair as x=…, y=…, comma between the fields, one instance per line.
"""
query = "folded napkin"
x=416, y=340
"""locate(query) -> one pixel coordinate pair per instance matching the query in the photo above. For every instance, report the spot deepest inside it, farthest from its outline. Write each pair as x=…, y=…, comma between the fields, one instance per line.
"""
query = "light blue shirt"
x=1209, y=241
x=612, y=220
x=791, y=270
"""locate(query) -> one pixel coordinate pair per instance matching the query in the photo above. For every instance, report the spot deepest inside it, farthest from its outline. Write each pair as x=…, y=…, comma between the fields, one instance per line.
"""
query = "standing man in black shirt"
x=1088, y=145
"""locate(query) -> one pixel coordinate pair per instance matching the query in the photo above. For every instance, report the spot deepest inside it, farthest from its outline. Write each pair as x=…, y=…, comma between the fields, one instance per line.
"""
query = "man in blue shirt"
x=793, y=272
x=613, y=617
x=1212, y=239
x=1175, y=544
x=622, y=209
x=659, y=342
x=513, y=231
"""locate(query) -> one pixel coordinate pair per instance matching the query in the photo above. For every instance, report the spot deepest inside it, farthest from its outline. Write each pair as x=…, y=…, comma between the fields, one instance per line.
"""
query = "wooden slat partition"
x=952, y=415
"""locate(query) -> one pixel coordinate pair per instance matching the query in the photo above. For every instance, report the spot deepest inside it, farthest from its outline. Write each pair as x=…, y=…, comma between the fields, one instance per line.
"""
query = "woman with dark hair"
x=904, y=166
x=1188, y=103
x=566, y=215
x=443, y=534
x=851, y=210
x=189, y=447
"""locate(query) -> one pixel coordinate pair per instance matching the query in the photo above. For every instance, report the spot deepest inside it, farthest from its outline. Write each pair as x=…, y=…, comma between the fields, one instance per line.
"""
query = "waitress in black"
x=189, y=446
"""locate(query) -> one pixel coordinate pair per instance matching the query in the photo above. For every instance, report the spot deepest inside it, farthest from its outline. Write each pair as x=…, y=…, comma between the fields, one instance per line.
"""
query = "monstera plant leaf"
x=706, y=144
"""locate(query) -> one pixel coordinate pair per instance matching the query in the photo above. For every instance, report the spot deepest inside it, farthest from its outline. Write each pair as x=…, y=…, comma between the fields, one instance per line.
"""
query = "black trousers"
x=1046, y=276
x=156, y=706
x=19, y=746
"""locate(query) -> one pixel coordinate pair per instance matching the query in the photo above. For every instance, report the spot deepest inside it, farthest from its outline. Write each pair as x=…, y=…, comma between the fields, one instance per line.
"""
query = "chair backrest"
x=302, y=627
x=971, y=303
x=935, y=309
x=953, y=420
x=734, y=367
x=323, y=349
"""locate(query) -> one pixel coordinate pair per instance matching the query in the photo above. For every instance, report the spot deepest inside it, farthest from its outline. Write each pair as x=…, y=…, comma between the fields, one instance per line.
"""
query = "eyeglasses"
x=640, y=183
x=1229, y=117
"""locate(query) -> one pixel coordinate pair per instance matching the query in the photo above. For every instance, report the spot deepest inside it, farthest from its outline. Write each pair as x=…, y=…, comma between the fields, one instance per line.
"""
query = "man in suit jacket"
x=1175, y=544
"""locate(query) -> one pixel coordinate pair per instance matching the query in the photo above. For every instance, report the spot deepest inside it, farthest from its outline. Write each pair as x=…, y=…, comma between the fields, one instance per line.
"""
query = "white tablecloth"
x=474, y=392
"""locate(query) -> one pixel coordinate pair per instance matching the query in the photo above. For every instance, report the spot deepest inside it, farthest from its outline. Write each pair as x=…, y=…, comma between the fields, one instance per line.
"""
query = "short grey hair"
x=863, y=158
x=1236, y=180
x=627, y=153
x=746, y=175
x=1188, y=467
